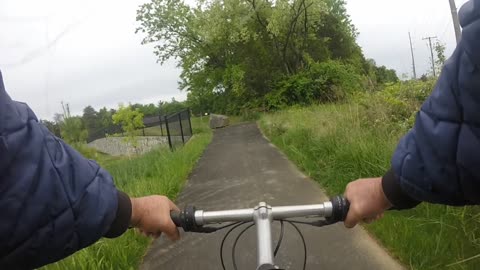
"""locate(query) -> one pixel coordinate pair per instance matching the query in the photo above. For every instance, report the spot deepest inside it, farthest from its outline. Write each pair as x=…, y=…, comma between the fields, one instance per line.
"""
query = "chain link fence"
x=177, y=127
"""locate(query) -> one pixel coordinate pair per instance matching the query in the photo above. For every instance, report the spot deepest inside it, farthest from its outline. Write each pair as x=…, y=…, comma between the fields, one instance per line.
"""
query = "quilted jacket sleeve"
x=53, y=201
x=438, y=161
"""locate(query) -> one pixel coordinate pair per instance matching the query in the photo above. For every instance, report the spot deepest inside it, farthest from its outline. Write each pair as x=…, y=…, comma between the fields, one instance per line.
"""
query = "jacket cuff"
x=122, y=219
x=395, y=194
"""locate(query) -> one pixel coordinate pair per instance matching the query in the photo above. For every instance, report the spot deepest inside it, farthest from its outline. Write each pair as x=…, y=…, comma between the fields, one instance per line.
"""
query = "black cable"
x=319, y=223
x=304, y=244
x=280, y=239
x=235, y=245
x=226, y=226
x=224, y=239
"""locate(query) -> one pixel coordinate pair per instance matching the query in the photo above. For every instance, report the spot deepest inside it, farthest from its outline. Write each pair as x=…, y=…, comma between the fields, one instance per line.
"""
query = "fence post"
x=190, y=122
x=161, y=126
x=168, y=134
x=181, y=127
x=143, y=129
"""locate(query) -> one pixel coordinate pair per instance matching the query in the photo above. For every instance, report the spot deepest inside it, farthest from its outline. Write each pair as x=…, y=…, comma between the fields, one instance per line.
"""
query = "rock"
x=218, y=121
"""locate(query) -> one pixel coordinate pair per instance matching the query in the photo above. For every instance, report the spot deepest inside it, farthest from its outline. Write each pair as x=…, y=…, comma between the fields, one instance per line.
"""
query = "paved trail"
x=239, y=169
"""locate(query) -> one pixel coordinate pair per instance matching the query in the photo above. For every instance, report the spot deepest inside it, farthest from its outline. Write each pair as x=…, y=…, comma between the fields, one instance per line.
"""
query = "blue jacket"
x=439, y=159
x=53, y=201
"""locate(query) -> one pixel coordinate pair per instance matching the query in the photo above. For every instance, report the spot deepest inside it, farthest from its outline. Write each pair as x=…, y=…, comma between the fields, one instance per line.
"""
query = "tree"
x=52, y=127
x=440, y=52
x=171, y=107
x=91, y=121
x=147, y=109
x=131, y=120
x=385, y=75
x=71, y=127
x=234, y=52
x=105, y=118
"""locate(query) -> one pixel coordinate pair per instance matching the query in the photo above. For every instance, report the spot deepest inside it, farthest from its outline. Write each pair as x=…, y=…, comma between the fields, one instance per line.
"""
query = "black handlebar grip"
x=176, y=218
x=185, y=219
x=340, y=207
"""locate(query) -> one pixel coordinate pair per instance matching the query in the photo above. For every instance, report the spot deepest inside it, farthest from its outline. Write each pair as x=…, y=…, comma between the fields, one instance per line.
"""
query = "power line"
x=32, y=55
x=431, y=52
x=445, y=29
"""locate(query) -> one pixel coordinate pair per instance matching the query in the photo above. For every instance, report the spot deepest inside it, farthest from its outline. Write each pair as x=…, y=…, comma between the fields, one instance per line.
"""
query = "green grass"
x=157, y=172
x=334, y=145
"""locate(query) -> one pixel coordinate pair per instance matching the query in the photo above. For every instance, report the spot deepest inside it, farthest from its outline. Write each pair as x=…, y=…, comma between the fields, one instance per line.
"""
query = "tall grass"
x=158, y=172
x=334, y=145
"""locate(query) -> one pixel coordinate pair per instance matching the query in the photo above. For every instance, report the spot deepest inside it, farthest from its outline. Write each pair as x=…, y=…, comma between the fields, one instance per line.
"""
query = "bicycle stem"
x=263, y=217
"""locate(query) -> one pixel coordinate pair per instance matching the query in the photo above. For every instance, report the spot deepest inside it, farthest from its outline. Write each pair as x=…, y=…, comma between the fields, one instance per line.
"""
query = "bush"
x=395, y=106
x=321, y=82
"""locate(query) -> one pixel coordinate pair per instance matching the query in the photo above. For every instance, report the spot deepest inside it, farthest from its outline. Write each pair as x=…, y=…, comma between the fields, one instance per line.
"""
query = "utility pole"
x=413, y=57
x=456, y=23
x=431, y=52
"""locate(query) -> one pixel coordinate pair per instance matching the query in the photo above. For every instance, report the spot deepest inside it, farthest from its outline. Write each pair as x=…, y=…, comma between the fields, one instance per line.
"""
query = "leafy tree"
x=233, y=53
x=384, y=75
x=440, y=52
x=71, y=127
x=90, y=120
x=131, y=120
x=173, y=106
x=52, y=127
x=105, y=118
x=58, y=118
x=147, y=109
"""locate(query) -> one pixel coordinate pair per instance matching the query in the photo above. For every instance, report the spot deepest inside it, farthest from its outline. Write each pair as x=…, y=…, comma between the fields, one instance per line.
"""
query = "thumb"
x=352, y=218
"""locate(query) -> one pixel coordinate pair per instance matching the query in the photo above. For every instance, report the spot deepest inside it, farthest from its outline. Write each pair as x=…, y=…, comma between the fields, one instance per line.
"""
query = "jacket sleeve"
x=438, y=161
x=53, y=201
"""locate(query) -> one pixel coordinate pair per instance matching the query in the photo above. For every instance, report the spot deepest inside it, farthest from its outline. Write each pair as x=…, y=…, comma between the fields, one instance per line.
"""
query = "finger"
x=368, y=220
x=171, y=231
x=168, y=227
x=140, y=232
x=173, y=206
x=157, y=235
x=352, y=219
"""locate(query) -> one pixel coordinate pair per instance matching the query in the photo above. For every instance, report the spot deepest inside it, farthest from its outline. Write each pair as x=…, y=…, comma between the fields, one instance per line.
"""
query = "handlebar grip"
x=185, y=218
x=176, y=218
x=340, y=207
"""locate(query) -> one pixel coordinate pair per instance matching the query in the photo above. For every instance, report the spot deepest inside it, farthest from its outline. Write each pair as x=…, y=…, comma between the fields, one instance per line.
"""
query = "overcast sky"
x=86, y=52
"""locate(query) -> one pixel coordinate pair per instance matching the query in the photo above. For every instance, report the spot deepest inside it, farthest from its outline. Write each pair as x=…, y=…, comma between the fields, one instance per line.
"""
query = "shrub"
x=395, y=106
x=321, y=82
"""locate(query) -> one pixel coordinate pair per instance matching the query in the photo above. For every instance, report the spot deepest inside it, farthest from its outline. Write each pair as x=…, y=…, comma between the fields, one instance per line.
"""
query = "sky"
x=87, y=53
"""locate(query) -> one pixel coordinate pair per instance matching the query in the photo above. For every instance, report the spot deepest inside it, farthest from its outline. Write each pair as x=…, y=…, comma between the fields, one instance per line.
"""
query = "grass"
x=157, y=172
x=334, y=145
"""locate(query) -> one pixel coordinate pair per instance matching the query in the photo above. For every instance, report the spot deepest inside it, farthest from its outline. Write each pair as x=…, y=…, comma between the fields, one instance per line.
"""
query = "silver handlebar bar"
x=262, y=215
x=277, y=213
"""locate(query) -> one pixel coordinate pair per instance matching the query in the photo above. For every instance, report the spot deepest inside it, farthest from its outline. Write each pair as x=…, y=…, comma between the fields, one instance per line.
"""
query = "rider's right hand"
x=151, y=216
x=367, y=201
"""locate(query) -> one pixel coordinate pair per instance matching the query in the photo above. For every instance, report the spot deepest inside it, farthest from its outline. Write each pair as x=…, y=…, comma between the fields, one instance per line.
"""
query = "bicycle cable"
x=279, y=243
x=304, y=244
x=280, y=238
x=235, y=245
x=238, y=224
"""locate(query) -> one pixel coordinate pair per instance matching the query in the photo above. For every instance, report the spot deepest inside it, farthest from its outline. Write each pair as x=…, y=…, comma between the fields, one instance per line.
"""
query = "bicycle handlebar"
x=193, y=220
